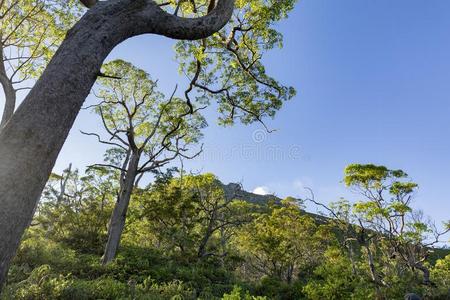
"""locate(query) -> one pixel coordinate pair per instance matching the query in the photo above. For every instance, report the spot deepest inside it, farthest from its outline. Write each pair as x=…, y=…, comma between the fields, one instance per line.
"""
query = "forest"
x=138, y=224
x=190, y=236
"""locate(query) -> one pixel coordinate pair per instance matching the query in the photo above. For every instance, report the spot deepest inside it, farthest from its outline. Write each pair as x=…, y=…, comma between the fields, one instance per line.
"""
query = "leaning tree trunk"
x=33, y=137
x=118, y=217
x=426, y=273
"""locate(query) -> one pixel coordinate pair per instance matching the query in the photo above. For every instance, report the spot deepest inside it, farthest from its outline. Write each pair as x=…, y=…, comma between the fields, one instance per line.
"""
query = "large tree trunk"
x=118, y=217
x=32, y=138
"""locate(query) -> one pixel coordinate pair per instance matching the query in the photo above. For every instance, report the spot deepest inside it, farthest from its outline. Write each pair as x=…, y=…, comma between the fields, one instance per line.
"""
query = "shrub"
x=42, y=284
x=175, y=290
x=238, y=294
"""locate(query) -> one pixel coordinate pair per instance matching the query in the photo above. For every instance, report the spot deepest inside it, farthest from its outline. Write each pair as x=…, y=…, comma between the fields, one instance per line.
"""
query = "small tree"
x=383, y=229
x=74, y=209
x=387, y=211
x=441, y=276
x=146, y=132
x=334, y=278
x=193, y=215
x=280, y=243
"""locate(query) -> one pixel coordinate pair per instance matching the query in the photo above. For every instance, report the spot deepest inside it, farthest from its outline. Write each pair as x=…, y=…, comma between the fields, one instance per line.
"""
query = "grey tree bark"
x=10, y=101
x=33, y=137
x=207, y=235
x=118, y=217
x=9, y=92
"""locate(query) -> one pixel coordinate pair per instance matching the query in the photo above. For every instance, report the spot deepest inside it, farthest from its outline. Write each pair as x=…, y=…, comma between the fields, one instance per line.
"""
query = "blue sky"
x=373, y=81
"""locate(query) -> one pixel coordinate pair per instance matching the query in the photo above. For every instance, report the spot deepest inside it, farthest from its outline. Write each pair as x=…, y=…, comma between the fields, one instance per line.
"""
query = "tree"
x=146, y=132
x=280, y=243
x=31, y=140
x=227, y=66
x=353, y=237
x=74, y=209
x=193, y=215
x=441, y=275
x=357, y=241
x=25, y=55
x=383, y=229
x=334, y=278
x=387, y=212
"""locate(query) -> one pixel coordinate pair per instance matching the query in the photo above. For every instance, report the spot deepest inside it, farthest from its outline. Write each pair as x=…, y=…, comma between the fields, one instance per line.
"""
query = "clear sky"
x=373, y=81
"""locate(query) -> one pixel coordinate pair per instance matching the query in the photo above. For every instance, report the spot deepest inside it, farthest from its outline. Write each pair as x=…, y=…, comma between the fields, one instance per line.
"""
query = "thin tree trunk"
x=426, y=273
x=204, y=242
x=9, y=92
x=33, y=137
x=118, y=217
x=352, y=258
x=373, y=273
x=63, y=185
x=10, y=102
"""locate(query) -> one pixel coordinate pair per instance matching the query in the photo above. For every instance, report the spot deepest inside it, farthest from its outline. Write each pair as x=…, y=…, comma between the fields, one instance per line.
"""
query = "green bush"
x=42, y=284
x=151, y=290
x=37, y=251
x=238, y=294
x=102, y=288
x=276, y=289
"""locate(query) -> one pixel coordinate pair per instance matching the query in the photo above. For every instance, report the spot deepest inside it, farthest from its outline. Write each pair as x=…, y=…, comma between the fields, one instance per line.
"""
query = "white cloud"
x=261, y=190
x=294, y=188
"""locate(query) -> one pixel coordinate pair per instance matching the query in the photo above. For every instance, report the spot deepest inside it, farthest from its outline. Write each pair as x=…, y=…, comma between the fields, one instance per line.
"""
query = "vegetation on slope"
x=188, y=237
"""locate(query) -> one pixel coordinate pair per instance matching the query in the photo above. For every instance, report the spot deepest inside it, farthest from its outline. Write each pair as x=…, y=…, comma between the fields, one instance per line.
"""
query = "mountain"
x=235, y=190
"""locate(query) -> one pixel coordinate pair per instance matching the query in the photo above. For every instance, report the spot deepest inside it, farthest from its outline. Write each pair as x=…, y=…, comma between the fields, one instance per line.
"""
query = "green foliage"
x=227, y=66
x=394, y=237
x=333, y=279
x=192, y=216
x=131, y=108
x=280, y=243
x=273, y=288
x=39, y=251
x=275, y=251
x=42, y=284
x=369, y=176
x=27, y=54
x=171, y=291
x=75, y=209
x=441, y=276
x=238, y=294
x=101, y=288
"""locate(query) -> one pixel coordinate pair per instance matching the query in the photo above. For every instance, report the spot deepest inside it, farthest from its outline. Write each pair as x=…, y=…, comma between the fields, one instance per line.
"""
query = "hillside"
x=234, y=189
